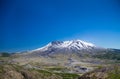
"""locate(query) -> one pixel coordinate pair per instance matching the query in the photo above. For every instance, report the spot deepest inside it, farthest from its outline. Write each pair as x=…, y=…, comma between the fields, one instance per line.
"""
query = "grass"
x=59, y=69
x=62, y=74
x=68, y=75
x=1, y=69
x=111, y=55
x=55, y=69
x=115, y=74
x=44, y=72
x=50, y=72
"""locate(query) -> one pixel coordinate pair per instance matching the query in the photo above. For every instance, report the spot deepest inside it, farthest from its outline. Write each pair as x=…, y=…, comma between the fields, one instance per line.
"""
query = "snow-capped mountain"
x=73, y=44
x=65, y=47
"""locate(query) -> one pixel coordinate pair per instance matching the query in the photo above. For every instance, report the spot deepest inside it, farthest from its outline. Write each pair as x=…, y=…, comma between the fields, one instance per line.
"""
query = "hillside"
x=108, y=72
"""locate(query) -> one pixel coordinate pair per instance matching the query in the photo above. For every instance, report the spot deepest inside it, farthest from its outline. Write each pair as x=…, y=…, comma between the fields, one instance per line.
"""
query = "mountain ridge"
x=78, y=44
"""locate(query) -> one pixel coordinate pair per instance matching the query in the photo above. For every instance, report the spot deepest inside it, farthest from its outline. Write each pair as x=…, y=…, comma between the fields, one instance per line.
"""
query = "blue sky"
x=29, y=24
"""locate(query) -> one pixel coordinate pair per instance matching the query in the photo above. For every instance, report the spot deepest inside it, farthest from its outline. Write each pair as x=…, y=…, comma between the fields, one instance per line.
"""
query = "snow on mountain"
x=73, y=44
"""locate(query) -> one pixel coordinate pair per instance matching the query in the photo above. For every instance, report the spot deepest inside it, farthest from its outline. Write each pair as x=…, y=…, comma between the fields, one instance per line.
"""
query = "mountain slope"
x=74, y=44
x=66, y=47
x=108, y=72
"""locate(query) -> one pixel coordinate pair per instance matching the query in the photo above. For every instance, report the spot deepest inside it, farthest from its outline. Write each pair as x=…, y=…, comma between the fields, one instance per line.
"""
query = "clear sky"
x=30, y=24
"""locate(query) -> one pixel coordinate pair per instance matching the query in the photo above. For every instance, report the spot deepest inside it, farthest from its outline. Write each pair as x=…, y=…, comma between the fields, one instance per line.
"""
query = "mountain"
x=73, y=44
x=75, y=56
x=77, y=48
x=66, y=47
x=63, y=60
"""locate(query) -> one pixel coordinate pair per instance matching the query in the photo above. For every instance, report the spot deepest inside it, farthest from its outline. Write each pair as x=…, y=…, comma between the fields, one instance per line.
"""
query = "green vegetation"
x=4, y=54
x=108, y=55
x=12, y=71
x=62, y=73
x=103, y=72
x=50, y=72
x=56, y=69
x=46, y=73
x=68, y=75
x=115, y=74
